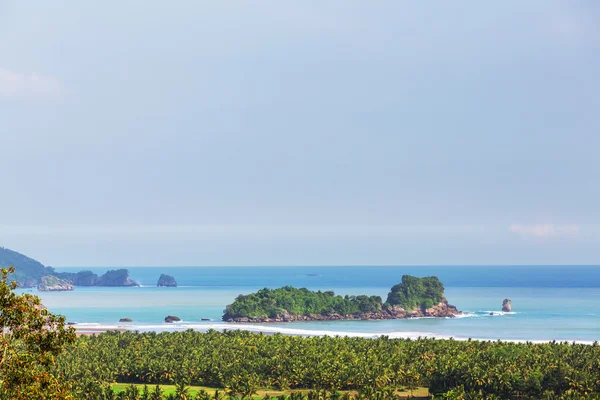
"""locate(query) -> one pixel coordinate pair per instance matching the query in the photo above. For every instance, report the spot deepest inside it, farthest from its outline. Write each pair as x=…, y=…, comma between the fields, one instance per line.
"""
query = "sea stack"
x=506, y=305
x=171, y=318
x=166, y=281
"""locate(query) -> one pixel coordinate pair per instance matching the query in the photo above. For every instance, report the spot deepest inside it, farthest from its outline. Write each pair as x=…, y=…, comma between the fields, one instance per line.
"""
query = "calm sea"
x=549, y=302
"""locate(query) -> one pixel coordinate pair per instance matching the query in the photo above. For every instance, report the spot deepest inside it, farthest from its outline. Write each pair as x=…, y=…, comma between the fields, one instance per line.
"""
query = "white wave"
x=492, y=313
x=465, y=315
x=270, y=329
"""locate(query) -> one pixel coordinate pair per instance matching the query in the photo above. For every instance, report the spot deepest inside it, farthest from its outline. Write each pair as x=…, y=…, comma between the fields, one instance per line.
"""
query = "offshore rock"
x=51, y=283
x=506, y=305
x=166, y=281
x=125, y=320
x=171, y=318
x=85, y=278
x=440, y=310
x=119, y=277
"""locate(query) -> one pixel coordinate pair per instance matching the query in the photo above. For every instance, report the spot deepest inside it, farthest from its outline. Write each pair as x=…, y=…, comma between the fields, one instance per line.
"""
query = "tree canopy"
x=30, y=340
x=276, y=302
x=416, y=292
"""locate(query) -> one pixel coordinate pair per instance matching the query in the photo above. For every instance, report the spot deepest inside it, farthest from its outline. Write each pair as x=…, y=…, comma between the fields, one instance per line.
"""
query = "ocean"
x=548, y=302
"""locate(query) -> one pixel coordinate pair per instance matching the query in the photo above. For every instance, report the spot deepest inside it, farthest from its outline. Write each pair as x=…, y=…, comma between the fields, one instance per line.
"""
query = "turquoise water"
x=549, y=303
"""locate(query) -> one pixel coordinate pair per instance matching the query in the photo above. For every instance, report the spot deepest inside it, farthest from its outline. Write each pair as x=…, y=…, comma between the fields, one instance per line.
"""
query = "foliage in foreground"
x=241, y=361
x=30, y=340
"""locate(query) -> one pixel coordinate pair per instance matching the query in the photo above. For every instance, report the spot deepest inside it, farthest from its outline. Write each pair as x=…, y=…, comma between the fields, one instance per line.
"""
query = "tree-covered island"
x=413, y=297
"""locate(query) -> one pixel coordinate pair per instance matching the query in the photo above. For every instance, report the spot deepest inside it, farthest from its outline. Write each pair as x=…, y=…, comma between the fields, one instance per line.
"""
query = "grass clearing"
x=419, y=393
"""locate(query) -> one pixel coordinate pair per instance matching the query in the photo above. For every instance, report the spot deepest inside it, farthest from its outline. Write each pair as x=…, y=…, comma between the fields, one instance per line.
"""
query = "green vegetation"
x=198, y=392
x=30, y=340
x=40, y=359
x=275, y=303
x=416, y=292
x=412, y=294
x=243, y=362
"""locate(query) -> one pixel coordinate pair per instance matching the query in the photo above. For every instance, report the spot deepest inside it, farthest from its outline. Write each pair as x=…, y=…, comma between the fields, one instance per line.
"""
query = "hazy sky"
x=307, y=132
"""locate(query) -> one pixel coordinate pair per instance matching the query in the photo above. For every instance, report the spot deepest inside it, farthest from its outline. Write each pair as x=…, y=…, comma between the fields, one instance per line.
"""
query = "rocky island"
x=50, y=283
x=30, y=273
x=413, y=297
x=166, y=281
x=118, y=277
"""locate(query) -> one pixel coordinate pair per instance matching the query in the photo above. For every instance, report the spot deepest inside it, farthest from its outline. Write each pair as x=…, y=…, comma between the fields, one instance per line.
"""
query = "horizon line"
x=324, y=266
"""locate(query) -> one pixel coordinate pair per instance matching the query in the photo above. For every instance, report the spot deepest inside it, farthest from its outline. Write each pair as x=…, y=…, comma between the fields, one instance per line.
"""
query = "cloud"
x=17, y=84
x=545, y=230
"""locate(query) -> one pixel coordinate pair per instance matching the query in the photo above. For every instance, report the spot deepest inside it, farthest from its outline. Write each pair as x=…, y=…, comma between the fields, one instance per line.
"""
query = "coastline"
x=269, y=329
x=545, y=314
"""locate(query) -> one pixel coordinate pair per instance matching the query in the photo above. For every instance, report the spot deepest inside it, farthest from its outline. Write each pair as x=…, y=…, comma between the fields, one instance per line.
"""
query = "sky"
x=300, y=133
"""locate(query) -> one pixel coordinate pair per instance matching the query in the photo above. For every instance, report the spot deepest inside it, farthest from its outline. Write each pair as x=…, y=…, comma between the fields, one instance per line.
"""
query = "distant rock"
x=119, y=277
x=125, y=320
x=171, y=318
x=506, y=305
x=85, y=278
x=166, y=281
x=204, y=319
x=51, y=283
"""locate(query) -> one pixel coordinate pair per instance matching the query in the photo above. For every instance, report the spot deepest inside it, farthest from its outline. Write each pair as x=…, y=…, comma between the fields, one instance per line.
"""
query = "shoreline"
x=272, y=330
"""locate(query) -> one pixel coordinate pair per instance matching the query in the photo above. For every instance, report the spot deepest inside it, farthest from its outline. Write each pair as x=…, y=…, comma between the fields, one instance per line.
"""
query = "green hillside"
x=27, y=270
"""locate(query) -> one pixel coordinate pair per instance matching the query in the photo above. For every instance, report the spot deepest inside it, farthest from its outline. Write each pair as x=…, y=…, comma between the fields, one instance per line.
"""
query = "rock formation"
x=119, y=277
x=85, y=278
x=51, y=283
x=506, y=305
x=171, y=318
x=166, y=281
x=440, y=310
x=125, y=320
